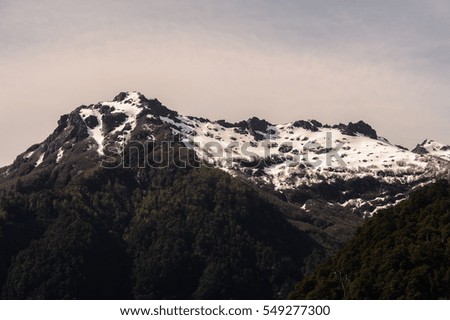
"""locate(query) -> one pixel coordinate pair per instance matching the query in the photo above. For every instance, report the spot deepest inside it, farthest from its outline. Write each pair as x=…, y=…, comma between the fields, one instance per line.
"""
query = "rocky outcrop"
x=363, y=128
x=419, y=149
x=311, y=125
x=255, y=124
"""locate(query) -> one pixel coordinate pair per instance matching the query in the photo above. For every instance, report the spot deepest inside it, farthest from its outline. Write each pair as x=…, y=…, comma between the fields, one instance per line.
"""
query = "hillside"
x=200, y=235
x=401, y=253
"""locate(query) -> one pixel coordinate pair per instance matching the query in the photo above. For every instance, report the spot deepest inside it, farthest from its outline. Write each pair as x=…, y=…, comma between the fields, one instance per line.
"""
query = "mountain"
x=401, y=253
x=129, y=199
x=433, y=148
x=304, y=162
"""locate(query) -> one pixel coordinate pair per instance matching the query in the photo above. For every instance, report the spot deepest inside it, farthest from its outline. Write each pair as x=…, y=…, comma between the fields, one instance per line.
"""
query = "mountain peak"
x=132, y=96
x=362, y=128
x=434, y=148
x=311, y=125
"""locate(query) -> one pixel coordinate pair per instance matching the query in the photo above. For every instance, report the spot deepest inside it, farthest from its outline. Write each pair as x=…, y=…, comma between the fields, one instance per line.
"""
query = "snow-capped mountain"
x=303, y=161
x=433, y=148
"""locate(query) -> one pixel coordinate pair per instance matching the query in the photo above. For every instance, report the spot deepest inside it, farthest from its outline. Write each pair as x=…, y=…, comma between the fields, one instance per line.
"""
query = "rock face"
x=308, y=125
x=362, y=128
x=91, y=122
x=349, y=166
x=420, y=150
x=112, y=120
x=255, y=124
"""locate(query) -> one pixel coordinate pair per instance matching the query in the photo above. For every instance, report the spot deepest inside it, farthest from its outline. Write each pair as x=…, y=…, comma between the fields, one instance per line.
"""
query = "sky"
x=384, y=62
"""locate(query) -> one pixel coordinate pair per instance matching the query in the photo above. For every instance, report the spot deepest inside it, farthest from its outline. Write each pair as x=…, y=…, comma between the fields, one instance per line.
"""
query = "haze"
x=384, y=62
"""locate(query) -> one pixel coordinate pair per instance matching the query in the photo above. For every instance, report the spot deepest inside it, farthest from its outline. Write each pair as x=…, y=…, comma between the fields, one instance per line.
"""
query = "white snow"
x=28, y=155
x=437, y=149
x=97, y=132
x=130, y=106
x=59, y=155
x=40, y=160
x=363, y=156
x=388, y=205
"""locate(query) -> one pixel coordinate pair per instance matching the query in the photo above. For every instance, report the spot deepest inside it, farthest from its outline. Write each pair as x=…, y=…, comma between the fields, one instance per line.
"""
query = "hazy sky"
x=384, y=62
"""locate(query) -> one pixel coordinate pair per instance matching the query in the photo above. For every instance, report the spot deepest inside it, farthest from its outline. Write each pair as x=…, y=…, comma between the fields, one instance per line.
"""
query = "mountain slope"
x=199, y=234
x=401, y=253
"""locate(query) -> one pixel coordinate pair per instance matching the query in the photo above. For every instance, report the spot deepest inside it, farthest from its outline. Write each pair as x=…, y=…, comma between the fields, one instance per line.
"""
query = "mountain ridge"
x=295, y=159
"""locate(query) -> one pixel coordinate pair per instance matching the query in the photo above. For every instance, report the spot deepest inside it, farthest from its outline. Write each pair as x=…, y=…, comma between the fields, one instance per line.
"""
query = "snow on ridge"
x=363, y=156
x=360, y=153
x=131, y=106
x=386, y=206
x=135, y=96
x=296, y=156
x=437, y=149
x=183, y=126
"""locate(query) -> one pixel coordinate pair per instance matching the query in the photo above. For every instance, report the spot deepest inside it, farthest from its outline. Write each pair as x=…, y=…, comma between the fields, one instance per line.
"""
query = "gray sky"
x=384, y=62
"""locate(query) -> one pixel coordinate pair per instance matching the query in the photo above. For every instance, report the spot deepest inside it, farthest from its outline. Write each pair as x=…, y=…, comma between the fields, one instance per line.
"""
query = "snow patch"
x=97, y=132
x=28, y=155
x=131, y=106
x=40, y=160
x=59, y=155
